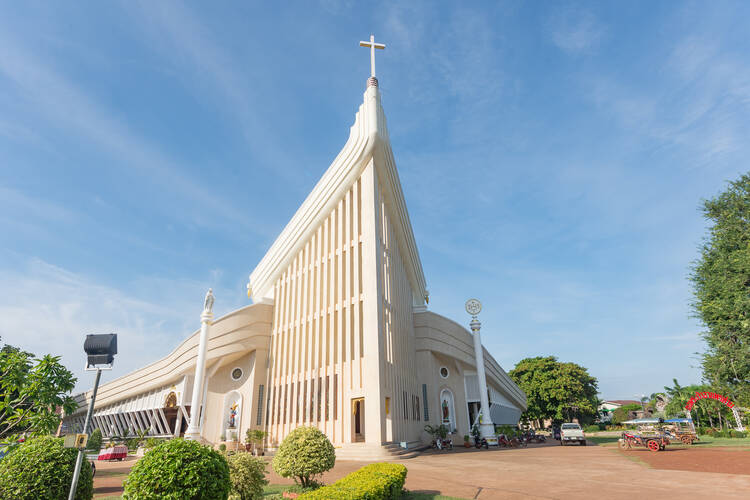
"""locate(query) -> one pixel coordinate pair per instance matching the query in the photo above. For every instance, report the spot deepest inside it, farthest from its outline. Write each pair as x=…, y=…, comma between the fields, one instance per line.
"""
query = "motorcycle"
x=480, y=442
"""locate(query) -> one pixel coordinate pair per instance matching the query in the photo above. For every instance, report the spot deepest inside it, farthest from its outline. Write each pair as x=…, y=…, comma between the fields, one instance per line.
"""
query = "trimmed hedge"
x=42, y=469
x=381, y=481
x=178, y=469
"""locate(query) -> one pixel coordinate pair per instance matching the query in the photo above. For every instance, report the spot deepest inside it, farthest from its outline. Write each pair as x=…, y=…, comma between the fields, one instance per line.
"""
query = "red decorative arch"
x=708, y=395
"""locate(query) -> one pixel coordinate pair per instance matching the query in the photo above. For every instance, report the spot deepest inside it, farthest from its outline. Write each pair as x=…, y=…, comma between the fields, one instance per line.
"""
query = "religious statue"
x=232, y=415
x=446, y=412
x=208, y=303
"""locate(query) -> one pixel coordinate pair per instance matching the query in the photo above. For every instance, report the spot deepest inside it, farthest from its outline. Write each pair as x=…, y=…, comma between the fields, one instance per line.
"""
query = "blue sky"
x=553, y=156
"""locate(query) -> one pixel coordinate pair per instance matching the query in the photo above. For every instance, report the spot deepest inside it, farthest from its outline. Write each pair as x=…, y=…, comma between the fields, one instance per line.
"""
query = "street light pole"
x=79, y=459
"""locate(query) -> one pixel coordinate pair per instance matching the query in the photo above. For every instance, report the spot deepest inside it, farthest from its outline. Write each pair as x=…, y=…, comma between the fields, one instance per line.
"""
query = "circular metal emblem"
x=473, y=307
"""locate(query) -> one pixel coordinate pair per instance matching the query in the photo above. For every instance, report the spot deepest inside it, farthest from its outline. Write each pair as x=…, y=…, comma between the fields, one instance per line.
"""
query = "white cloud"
x=69, y=108
x=575, y=31
x=49, y=310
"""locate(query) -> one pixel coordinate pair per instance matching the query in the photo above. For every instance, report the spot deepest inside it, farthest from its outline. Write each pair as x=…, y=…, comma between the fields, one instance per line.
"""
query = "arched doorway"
x=447, y=410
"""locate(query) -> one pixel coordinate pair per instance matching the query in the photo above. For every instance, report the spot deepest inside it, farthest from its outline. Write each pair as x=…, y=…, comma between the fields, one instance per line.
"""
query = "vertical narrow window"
x=278, y=403
x=320, y=395
x=335, y=395
x=304, y=402
x=424, y=398
x=387, y=406
x=286, y=400
x=328, y=397
x=259, y=419
x=297, y=398
x=312, y=400
x=417, y=413
x=406, y=406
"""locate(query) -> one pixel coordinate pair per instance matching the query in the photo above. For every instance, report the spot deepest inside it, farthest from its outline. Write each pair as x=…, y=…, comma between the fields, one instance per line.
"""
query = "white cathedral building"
x=338, y=335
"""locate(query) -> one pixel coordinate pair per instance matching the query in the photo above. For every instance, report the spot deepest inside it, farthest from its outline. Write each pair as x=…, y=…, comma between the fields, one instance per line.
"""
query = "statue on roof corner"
x=208, y=303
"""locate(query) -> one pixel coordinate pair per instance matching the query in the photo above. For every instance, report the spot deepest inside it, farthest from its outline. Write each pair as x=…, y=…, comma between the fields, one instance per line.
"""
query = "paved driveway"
x=553, y=471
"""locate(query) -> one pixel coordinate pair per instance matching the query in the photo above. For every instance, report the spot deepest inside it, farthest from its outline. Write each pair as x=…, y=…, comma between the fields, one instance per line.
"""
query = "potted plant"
x=257, y=436
x=466, y=441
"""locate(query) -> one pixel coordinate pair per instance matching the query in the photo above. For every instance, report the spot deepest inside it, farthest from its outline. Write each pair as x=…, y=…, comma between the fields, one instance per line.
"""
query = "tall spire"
x=372, y=81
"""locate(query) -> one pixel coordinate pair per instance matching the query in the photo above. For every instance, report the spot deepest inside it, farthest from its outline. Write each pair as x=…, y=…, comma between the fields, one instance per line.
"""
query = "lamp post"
x=100, y=351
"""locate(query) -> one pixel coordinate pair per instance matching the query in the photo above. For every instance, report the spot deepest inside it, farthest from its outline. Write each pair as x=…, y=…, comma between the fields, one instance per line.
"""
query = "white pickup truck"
x=571, y=433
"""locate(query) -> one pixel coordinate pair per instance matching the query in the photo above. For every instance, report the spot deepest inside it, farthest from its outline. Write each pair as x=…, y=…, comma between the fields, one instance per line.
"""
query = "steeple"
x=368, y=144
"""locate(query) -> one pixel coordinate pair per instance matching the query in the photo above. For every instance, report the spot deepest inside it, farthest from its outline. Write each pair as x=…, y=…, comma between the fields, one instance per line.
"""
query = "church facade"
x=339, y=334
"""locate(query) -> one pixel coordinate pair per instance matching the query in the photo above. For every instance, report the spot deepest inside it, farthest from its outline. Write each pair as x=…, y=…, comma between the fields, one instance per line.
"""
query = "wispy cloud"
x=70, y=109
x=184, y=38
x=48, y=309
x=575, y=30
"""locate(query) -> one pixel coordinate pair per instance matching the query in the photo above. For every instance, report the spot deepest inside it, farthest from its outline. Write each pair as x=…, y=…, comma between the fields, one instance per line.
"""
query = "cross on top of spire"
x=372, y=45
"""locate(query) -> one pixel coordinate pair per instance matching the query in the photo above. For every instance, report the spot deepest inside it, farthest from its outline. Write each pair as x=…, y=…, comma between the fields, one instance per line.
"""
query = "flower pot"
x=466, y=444
x=248, y=447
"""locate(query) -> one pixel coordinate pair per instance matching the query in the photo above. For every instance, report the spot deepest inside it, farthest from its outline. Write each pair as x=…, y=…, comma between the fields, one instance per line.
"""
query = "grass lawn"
x=603, y=440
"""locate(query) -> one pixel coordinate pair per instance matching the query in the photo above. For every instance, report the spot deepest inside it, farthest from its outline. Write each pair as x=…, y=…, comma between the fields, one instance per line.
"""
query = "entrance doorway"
x=358, y=416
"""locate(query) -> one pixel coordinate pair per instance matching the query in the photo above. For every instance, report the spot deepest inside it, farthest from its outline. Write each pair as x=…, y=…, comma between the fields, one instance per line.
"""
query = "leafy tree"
x=248, y=476
x=621, y=414
x=95, y=441
x=721, y=286
x=31, y=391
x=555, y=390
x=303, y=454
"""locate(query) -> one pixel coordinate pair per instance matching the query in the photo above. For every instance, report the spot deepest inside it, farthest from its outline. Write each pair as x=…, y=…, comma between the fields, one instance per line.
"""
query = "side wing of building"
x=156, y=398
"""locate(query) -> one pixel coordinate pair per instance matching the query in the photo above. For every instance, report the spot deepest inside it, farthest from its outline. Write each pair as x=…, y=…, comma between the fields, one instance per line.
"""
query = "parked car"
x=572, y=433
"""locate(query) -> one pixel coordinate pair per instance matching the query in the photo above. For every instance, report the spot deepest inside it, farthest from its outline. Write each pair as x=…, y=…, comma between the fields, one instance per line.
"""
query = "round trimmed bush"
x=179, y=469
x=303, y=454
x=42, y=469
x=248, y=475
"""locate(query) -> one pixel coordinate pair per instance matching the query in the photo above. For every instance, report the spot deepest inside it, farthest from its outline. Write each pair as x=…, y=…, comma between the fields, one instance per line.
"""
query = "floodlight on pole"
x=100, y=355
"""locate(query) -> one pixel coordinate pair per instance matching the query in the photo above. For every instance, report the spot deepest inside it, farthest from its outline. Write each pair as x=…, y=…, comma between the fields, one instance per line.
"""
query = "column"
x=486, y=427
x=194, y=429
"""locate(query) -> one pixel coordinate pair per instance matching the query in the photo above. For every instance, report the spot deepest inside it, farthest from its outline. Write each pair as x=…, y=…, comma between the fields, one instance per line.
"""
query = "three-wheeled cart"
x=649, y=434
x=681, y=429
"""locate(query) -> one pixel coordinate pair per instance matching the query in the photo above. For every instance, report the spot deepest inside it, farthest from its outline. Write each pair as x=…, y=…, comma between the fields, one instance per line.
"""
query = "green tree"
x=303, y=454
x=95, y=441
x=31, y=391
x=721, y=286
x=621, y=414
x=248, y=476
x=555, y=390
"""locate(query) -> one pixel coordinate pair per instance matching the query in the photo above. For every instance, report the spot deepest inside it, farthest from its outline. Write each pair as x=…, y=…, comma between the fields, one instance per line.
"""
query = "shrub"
x=42, y=469
x=591, y=428
x=371, y=482
x=222, y=447
x=304, y=453
x=248, y=476
x=152, y=442
x=95, y=441
x=178, y=469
